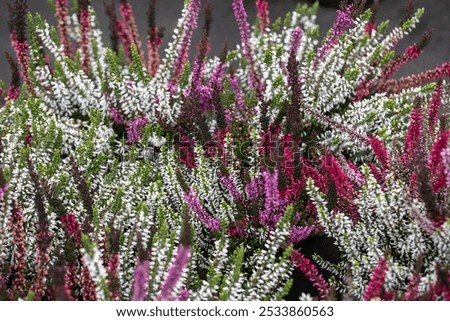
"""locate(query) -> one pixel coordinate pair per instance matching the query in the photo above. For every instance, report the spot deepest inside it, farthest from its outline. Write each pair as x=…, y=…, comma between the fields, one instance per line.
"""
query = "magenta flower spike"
x=140, y=286
x=311, y=272
x=130, y=27
x=85, y=33
x=244, y=28
x=374, y=289
x=134, y=129
x=262, y=10
x=194, y=204
x=175, y=272
x=343, y=21
x=62, y=18
x=189, y=27
x=446, y=161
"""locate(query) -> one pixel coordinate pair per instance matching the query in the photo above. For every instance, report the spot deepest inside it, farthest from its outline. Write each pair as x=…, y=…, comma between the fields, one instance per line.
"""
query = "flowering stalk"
x=62, y=18
x=129, y=23
x=374, y=289
x=154, y=40
x=140, y=286
x=311, y=272
x=175, y=273
x=188, y=29
x=134, y=129
x=17, y=26
x=244, y=28
x=194, y=204
x=84, y=17
x=343, y=21
x=18, y=289
x=262, y=10
x=434, y=106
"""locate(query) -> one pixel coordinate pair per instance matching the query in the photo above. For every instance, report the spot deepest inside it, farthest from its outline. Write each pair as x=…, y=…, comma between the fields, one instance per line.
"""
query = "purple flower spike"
x=175, y=272
x=194, y=204
x=140, y=281
x=134, y=129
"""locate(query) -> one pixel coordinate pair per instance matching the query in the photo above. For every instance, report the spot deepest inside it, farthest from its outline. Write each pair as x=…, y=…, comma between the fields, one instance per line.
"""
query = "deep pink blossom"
x=85, y=41
x=188, y=29
x=445, y=154
x=130, y=27
x=192, y=200
x=311, y=272
x=134, y=129
x=175, y=273
x=379, y=150
x=374, y=289
x=140, y=286
x=73, y=228
x=435, y=161
x=63, y=20
x=273, y=204
x=18, y=288
x=299, y=233
x=343, y=21
x=262, y=10
x=244, y=28
x=434, y=106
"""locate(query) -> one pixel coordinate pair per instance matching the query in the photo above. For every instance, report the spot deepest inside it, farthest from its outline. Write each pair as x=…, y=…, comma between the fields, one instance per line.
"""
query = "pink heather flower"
x=375, y=287
x=18, y=289
x=88, y=290
x=414, y=135
x=412, y=293
x=435, y=160
x=262, y=10
x=230, y=185
x=244, y=28
x=134, y=129
x=62, y=18
x=21, y=50
x=140, y=286
x=129, y=23
x=296, y=38
x=363, y=90
x=239, y=97
x=85, y=32
x=311, y=272
x=379, y=150
x=370, y=28
x=116, y=116
x=175, y=272
x=343, y=21
x=124, y=37
x=299, y=233
x=445, y=154
x=254, y=188
x=194, y=204
x=189, y=26
x=42, y=262
x=435, y=105
x=73, y=228
x=183, y=295
x=13, y=93
x=113, y=277
x=343, y=185
x=396, y=85
x=411, y=53
x=274, y=205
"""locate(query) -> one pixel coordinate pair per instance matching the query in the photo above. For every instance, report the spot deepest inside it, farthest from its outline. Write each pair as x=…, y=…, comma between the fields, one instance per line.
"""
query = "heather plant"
x=130, y=175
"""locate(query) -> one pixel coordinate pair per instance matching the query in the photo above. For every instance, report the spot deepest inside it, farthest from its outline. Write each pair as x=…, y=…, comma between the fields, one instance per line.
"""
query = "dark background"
x=224, y=27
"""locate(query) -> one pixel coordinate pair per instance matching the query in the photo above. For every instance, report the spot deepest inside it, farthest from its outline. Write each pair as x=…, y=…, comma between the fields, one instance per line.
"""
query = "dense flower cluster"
x=130, y=175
